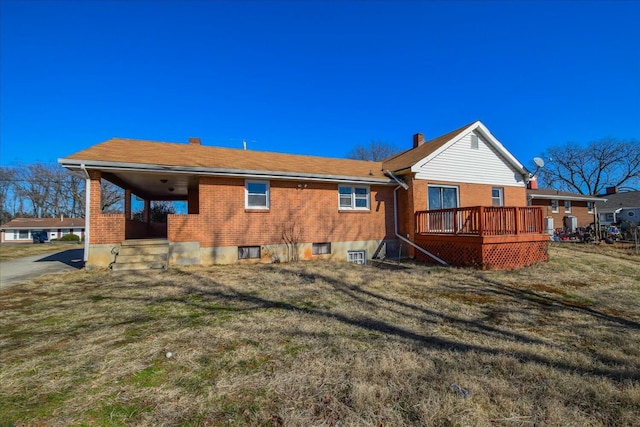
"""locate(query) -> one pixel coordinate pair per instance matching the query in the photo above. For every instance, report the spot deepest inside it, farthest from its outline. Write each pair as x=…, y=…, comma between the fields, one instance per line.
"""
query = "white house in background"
x=22, y=230
x=620, y=206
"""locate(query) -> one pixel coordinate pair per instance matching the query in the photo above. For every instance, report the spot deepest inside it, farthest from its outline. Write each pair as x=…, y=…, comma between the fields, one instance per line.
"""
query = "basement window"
x=248, y=252
x=357, y=257
x=321, y=248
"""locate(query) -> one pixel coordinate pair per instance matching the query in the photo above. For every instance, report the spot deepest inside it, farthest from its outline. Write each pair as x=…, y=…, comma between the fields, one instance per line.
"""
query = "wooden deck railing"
x=481, y=221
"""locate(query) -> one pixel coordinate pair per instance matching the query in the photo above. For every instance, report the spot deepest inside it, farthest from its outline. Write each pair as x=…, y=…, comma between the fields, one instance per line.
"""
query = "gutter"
x=242, y=173
x=395, y=221
x=87, y=211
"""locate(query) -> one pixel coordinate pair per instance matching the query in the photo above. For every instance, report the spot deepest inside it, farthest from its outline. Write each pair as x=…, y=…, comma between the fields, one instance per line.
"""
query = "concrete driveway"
x=21, y=270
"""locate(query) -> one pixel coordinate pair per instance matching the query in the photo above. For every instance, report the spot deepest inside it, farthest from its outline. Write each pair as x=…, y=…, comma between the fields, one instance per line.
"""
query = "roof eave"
x=239, y=173
x=565, y=197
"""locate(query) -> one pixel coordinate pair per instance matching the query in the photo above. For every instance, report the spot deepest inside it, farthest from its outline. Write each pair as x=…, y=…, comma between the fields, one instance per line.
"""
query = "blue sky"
x=314, y=77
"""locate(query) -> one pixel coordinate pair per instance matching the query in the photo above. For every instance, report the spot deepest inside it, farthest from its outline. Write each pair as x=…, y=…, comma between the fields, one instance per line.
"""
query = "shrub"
x=70, y=238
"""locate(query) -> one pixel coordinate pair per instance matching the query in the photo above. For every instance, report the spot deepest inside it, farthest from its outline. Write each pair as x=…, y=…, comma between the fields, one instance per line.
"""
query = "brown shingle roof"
x=408, y=158
x=547, y=193
x=119, y=150
x=44, y=223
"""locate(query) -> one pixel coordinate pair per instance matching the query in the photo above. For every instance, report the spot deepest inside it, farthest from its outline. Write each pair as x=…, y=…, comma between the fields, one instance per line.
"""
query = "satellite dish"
x=538, y=161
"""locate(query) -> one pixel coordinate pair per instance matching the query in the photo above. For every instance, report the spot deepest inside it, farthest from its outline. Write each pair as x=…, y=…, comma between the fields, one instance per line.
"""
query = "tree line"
x=46, y=190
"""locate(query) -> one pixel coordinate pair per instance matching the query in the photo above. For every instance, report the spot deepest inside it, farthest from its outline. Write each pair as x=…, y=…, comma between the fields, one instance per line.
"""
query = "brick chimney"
x=533, y=183
x=194, y=141
x=418, y=140
x=611, y=190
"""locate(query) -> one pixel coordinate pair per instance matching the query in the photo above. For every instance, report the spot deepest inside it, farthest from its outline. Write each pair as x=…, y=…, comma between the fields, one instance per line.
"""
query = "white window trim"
x=500, y=197
x=444, y=186
x=567, y=206
x=590, y=206
x=353, y=198
x=246, y=194
x=364, y=256
x=555, y=209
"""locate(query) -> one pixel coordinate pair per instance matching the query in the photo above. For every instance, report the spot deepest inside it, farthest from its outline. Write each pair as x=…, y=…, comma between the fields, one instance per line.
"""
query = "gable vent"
x=474, y=141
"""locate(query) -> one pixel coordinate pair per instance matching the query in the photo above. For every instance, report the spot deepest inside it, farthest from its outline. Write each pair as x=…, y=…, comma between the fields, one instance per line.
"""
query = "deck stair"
x=142, y=254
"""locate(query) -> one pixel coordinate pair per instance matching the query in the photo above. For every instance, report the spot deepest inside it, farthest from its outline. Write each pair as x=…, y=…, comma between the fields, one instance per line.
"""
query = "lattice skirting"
x=478, y=253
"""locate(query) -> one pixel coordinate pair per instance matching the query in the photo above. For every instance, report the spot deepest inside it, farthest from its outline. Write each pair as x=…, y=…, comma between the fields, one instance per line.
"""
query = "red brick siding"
x=578, y=209
x=224, y=221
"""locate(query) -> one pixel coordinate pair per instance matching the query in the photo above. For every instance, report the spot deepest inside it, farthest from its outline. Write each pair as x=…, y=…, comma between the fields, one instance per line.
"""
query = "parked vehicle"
x=39, y=236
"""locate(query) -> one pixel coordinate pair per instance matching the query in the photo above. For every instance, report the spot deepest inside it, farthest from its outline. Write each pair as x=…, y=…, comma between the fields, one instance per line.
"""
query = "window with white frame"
x=554, y=206
x=567, y=206
x=590, y=207
x=352, y=197
x=497, y=196
x=321, y=248
x=21, y=234
x=357, y=257
x=256, y=194
x=248, y=252
x=442, y=197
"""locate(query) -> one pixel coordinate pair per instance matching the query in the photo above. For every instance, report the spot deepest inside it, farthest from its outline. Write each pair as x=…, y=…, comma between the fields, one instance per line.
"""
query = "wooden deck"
x=484, y=237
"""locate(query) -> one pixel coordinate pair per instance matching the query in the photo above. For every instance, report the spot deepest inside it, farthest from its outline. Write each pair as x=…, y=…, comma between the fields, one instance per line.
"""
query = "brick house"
x=446, y=200
x=560, y=206
x=21, y=230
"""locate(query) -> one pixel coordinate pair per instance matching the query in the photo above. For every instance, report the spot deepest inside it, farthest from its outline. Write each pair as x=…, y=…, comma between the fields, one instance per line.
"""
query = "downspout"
x=87, y=211
x=402, y=184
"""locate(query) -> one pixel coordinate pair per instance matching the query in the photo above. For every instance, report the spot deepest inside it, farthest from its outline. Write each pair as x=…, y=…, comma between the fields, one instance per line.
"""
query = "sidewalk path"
x=21, y=270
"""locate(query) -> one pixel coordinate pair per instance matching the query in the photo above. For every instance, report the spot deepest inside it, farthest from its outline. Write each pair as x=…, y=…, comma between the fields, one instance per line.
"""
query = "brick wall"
x=104, y=228
x=578, y=209
x=470, y=194
x=311, y=210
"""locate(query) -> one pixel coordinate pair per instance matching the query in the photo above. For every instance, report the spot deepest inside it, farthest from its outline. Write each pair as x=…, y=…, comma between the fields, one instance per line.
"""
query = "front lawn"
x=318, y=343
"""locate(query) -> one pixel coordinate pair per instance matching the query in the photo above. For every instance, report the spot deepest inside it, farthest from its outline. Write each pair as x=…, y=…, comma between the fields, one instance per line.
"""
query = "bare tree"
x=292, y=236
x=592, y=168
x=6, y=184
x=112, y=200
x=375, y=151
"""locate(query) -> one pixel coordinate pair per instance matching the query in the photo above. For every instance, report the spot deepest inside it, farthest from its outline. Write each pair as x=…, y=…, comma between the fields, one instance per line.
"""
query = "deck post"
x=517, y=219
x=481, y=221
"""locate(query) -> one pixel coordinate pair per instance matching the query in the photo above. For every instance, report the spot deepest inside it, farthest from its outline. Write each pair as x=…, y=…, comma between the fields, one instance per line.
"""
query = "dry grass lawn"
x=18, y=250
x=323, y=344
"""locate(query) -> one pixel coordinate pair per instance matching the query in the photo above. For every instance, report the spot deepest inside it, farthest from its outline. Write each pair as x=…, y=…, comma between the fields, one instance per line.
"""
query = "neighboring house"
x=22, y=230
x=619, y=207
x=458, y=199
x=563, y=209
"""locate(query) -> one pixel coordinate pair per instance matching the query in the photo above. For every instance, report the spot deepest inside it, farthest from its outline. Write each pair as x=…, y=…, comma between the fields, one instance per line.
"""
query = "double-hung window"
x=256, y=194
x=590, y=207
x=567, y=206
x=497, y=196
x=353, y=198
x=554, y=206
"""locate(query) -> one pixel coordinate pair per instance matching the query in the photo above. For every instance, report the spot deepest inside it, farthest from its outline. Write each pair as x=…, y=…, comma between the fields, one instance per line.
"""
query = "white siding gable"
x=459, y=162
